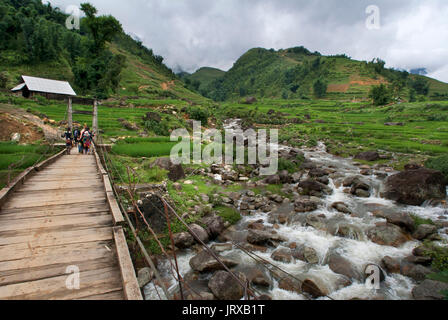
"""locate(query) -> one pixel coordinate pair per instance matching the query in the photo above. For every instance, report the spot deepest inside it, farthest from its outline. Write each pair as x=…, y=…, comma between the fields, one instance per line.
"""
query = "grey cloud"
x=195, y=33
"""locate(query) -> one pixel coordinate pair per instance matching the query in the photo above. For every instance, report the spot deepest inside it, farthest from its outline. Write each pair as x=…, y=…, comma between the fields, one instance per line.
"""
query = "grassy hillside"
x=35, y=42
x=293, y=73
x=205, y=76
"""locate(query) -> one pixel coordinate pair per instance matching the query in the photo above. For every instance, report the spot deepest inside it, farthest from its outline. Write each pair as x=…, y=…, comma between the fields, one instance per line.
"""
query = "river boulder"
x=414, y=187
x=424, y=231
x=343, y=266
x=282, y=255
x=387, y=235
x=430, y=290
x=205, y=262
x=225, y=287
x=368, y=156
x=183, y=240
x=260, y=238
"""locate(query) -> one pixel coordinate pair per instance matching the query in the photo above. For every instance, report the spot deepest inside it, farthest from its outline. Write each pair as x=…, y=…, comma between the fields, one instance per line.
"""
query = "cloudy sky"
x=193, y=33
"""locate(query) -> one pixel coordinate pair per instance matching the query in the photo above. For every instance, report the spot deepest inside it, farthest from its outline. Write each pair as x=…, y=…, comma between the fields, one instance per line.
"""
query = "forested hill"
x=202, y=78
x=99, y=59
x=299, y=73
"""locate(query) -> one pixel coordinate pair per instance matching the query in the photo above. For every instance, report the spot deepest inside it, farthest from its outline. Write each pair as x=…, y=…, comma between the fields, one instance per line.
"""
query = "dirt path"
x=51, y=134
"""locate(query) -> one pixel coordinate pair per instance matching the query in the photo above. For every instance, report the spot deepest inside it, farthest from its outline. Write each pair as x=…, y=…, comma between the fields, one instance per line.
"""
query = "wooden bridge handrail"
x=6, y=192
x=110, y=195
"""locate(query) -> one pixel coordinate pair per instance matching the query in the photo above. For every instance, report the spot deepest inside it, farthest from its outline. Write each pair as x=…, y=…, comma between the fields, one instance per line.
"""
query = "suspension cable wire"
x=255, y=257
x=142, y=248
x=263, y=262
x=194, y=236
x=154, y=235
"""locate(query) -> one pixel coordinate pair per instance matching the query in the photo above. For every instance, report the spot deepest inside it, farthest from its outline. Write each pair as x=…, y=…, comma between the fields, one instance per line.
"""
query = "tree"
x=412, y=95
x=320, y=88
x=3, y=79
x=421, y=86
x=103, y=28
x=381, y=95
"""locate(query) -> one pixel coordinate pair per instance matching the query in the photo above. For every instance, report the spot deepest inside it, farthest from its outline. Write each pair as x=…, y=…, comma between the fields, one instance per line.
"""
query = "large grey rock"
x=341, y=207
x=214, y=225
x=199, y=232
x=368, y=156
x=414, y=271
x=315, y=287
x=183, y=240
x=387, y=235
x=145, y=275
x=175, y=171
x=305, y=204
x=15, y=137
x=413, y=187
x=424, y=231
x=340, y=265
x=225, y=287
x=259, y=237
x=391, y=265
x=205, y=262
x=310, y=187
x=282, y=255
x=430, y=290
x=401, y=219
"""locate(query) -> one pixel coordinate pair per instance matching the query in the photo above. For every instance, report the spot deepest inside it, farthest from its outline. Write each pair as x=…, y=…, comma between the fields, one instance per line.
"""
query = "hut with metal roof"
x=48, y=88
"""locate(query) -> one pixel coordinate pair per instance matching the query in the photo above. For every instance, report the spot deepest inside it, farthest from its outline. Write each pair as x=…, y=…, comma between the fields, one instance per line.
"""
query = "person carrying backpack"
x=68, y=140
x=76, y=136
x=87, y=140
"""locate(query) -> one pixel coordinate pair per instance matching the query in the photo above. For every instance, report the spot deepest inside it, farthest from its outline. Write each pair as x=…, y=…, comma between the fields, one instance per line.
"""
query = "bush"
x=198, y=114
x=229, y=214
x=439, y=163
x=381, y=95
x=159, y=128
x=320, y=88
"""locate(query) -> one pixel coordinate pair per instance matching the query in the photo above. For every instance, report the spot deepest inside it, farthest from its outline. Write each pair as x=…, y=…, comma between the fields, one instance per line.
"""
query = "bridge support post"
x=95, y=118
x=70, y=113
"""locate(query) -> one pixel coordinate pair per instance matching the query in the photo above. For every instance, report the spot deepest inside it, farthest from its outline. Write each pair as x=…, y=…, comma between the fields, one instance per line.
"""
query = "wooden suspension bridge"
x=59, y=218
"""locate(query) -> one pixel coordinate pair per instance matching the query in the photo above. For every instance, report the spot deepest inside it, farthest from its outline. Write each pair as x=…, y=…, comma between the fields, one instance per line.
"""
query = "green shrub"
x=419, y=221
x=439, y=163
x=229, y=214
x=199, y=114
x=159, y=128
x=287, y=165
x=381, y=95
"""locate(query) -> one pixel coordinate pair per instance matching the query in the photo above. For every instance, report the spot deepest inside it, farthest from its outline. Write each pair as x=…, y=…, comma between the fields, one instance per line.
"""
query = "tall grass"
x=145, y=149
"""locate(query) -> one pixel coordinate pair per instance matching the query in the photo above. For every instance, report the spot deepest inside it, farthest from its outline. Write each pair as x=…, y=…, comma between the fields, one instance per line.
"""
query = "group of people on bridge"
x=82, y=139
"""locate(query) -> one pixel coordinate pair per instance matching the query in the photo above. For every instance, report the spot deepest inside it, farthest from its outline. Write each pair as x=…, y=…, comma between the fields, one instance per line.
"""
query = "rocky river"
x=337, y=220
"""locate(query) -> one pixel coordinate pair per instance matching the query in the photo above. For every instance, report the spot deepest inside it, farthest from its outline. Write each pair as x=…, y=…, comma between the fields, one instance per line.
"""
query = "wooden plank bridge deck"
x=63, y=217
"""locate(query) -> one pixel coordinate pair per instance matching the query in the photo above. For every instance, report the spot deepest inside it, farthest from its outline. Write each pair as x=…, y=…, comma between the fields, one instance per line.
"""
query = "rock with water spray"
x=343, y=266
x=424, y=231
x=388, y=235
x=430, y=290
x=183, y=240
x=205, y=262
x=414, y=187
x=282, y=255
x=225, y=287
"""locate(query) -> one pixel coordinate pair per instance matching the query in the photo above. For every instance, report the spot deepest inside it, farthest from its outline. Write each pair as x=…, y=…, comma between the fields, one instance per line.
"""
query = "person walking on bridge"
x=68, y=140
x=87, y=140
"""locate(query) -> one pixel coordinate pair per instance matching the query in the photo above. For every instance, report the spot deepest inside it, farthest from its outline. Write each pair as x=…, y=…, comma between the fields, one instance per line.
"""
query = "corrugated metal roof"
x=19, y=87
x=48, y=86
